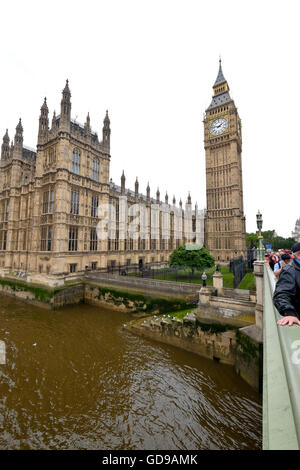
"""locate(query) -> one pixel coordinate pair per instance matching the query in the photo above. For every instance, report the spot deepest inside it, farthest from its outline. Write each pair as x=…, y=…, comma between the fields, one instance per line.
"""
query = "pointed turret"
x=18, y=144
x=157, y=196
x=220, y=78
x=180, y=203
x=174, y=200
x=43, y=123
x=65, y=109
x=5, y=146
x=87, y=125
x=11, y=150
x=189, y=199
x=123, y=183
x=53, y=126
x=106, y=132
x=221, y=90
x=136, y=188
x=166, y=198
x=148, y=192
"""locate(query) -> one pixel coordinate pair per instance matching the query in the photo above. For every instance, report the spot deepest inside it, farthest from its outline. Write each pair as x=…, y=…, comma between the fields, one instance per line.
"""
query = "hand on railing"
x=289, y=319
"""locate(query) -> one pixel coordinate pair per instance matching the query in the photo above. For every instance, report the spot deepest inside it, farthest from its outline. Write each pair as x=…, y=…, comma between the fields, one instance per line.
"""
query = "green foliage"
x=249, y=350
x=194, y=259
x=143, y=303
x=40, y=293
x=248, y=283
x=215, y=328
x=280, y=242
x=270, y=238
x=181, y=313
x=228, y=277
x=251, y=237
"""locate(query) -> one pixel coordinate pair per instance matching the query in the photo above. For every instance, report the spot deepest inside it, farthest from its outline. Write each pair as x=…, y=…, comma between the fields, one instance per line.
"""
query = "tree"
x=270, y=237
x=280, y=242
x=194, y=259
x=251, y=237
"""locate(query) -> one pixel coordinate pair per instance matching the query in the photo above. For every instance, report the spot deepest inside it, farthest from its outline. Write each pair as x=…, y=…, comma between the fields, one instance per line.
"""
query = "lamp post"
x=261, y=250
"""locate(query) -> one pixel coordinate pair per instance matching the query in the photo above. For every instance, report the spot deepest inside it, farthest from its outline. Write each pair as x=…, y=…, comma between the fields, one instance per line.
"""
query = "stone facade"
x=225, y=235
x=49, y=201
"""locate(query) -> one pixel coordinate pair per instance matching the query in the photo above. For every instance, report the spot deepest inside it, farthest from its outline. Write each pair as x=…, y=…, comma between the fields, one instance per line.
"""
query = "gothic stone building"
x=225, y=235
x=49, y=200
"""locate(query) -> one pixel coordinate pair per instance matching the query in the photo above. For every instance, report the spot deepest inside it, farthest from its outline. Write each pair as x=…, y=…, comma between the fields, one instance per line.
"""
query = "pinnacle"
x=220, y=78
x=6, y=137
x=67, y=89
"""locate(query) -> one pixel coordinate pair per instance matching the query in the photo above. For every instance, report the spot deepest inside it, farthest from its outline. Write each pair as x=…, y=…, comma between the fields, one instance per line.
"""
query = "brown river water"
x=75, y=379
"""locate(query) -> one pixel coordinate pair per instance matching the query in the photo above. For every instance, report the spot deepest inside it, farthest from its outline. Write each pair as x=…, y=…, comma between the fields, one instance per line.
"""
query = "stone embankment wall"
x=68, y=296
x=207, y=340
x=91, y=293
x=221, y=342
x=131, y=302
x=166, y=288
x=42, y=296
x=204, y=335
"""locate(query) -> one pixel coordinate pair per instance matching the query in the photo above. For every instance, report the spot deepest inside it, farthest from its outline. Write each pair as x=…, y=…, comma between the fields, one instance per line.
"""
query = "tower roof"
x=221, y=96
x=67, y=89
x=44, y=105
x=220, y=78
x=6, y=137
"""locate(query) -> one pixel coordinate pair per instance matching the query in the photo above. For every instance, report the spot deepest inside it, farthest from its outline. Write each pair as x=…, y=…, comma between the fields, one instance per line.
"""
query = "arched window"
x=76, y=162
x=96, y=172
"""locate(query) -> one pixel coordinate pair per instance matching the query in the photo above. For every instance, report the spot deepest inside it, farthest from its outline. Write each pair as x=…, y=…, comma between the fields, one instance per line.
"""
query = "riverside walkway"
x=281, y=379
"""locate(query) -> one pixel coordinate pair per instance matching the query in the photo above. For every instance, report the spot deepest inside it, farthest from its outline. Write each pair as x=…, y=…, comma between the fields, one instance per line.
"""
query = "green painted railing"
x=281, y=379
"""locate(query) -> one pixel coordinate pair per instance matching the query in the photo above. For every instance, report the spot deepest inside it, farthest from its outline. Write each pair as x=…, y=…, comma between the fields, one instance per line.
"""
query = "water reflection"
x=74, y=379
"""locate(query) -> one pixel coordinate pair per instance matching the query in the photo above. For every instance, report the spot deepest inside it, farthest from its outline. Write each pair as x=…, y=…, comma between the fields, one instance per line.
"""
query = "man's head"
x=285, y=257
x=296, y=250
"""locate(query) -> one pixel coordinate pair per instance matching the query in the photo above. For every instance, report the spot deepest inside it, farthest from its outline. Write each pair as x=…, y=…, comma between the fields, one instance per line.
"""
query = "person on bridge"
x=285, y=259
x=286, y=297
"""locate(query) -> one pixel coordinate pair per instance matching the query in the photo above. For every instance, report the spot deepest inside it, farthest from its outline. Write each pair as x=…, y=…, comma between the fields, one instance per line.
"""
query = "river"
x=75, y=379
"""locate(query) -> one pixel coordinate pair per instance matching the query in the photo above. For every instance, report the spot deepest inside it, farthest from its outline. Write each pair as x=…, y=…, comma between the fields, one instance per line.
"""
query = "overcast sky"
x=152, y=64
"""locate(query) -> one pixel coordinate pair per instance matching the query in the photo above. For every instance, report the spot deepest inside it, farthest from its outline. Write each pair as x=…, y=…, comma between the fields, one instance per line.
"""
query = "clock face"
x=218, y=126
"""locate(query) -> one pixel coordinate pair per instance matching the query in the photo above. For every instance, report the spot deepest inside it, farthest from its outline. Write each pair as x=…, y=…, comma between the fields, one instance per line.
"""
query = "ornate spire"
x=221, y=91
x=19, y=135
x=180, y=203
x=87, y=125
x=123, y=183
x=148, y=192
x=66, y=90
x=65, y=108
x=157, y=196
x=106, y=131
x=5, y=146
x=174, y=200
x=6, y=137
x=220, y=78
x=136, y=187
x=106, y=119
x=189, y=199
x=43, y=122
x=54, y=120
x=166, y=198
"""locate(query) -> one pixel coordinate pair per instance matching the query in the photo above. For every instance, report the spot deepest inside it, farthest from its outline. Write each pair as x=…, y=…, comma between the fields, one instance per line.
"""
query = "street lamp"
x=261, y=250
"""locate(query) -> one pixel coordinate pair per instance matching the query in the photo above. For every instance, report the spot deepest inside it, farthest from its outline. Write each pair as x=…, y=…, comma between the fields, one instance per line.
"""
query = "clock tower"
x=225, y=235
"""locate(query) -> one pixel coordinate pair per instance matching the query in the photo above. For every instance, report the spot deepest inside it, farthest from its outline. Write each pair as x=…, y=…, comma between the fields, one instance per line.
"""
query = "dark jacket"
x=286, y=297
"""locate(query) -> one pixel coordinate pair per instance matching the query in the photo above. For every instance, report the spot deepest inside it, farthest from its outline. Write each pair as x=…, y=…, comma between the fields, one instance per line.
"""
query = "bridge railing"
x=281, y=380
